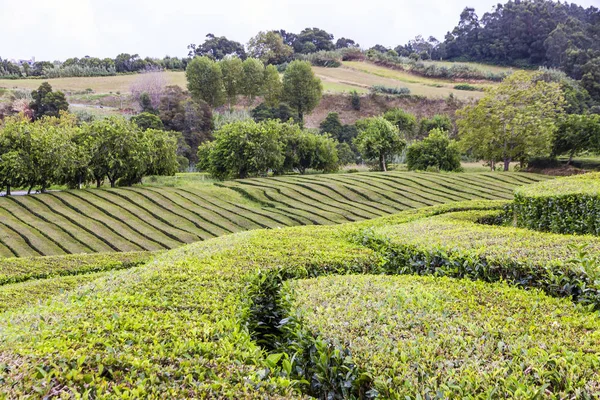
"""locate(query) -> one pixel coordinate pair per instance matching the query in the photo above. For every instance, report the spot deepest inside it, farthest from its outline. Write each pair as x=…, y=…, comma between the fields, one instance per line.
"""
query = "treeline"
x=58, y=151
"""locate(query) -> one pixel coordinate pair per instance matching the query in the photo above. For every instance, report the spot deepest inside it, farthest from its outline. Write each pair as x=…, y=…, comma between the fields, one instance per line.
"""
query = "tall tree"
x=231, y=68
x=272, y=86
x=253, y=73
x=217, y=47
x=514, y=121
x=205, y=81
x=269, y=48
x=302, y=90
x=311, y=40
x=378, y=139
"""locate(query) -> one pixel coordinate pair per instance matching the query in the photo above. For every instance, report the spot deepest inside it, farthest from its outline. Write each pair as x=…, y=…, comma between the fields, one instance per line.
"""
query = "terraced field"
x=158, y=218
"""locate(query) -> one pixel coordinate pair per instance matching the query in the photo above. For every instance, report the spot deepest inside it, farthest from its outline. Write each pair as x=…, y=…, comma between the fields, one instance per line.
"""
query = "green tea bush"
x=412, y=336
x=191, y=323
x=566, y=205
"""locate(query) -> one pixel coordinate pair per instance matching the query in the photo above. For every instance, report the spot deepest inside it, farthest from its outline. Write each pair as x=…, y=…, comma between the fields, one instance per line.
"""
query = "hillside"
x=158, y=218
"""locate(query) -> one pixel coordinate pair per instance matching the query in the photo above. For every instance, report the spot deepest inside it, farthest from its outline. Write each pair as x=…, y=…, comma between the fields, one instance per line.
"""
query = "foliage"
x=403, y=120
x=514, y=121
x=248, y=148
x=269, y=48
x=47, y=103
x=355, y=100
x=147, y=121
x=311, y=40
x=282, y=112
x=204, y=301
x=302, y=90
x=205, y=81
x=577, y=133
x=397, y=91
x=441, y=122
x=565, y=205
x=466, y=86
x=217, y=48
x=436, y=151
x=232, y=70
x=379, y=140
x=253, y=74
x=591, y=78
x=272, y=86
x=328, y=59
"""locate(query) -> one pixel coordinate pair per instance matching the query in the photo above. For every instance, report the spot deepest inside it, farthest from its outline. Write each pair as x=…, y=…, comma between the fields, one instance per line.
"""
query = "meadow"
x=445, y=300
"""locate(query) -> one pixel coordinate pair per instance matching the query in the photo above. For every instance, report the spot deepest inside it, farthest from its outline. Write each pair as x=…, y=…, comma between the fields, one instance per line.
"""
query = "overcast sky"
x=59, y=29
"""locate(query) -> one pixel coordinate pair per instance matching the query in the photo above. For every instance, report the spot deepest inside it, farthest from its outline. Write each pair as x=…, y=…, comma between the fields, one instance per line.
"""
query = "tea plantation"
x=442, y=301
x=151, y=219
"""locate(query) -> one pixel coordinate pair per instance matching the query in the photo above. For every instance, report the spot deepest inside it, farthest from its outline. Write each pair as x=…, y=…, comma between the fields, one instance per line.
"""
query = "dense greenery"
x=378, y=141
x=436, y=152
x=56, y=151
x=204, y=309
x=249, y=148
x=515, y=120
x=47, y=103
x=385, y=326
x=576, y=134
x=302, y=90
x=567, y=205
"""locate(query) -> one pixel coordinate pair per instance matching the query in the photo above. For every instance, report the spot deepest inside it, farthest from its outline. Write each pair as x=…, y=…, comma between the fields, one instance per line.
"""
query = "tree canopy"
x=302, y=90
x=378, y=140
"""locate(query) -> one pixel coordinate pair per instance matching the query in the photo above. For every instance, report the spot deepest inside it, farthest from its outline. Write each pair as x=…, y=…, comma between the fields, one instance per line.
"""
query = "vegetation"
x=302, y=90
x=436, y=152
x=575, y=134
x=567, y=205
x=216, y=285
x=514, y=121
x=378, y=140
x=47, y=103
x=150, y=218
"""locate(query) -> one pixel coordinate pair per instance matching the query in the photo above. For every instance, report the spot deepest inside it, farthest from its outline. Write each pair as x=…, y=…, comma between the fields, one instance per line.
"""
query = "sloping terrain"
x=159, y=218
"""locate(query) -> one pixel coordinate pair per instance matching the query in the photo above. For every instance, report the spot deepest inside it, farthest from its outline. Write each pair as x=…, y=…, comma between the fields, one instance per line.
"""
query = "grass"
x=191, y=322
x=167, y=212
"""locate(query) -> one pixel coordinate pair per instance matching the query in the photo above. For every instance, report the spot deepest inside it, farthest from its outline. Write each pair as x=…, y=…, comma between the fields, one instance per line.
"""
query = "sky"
x=59, y=29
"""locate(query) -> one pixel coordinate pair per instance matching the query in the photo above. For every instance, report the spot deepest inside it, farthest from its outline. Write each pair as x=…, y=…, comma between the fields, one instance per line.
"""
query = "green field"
x=151, y=218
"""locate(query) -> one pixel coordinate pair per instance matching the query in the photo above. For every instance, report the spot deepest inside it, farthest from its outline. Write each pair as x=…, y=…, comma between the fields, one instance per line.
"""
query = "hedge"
x=409, y=337
x=13, y=270
x=207, y=320
x=566, y=205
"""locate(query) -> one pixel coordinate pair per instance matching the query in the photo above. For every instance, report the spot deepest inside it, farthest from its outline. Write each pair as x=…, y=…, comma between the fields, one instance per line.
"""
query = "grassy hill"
x=149, y=218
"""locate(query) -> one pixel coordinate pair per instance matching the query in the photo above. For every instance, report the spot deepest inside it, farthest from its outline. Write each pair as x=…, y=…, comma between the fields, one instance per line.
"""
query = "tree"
x=242, y=149
x=47, y=103
x=302, y=90
x=404, y=121
x=269, y=48
x=231, y=68
x=311, y=40
x=120, y=150
x=441, y=122
x=205, y=81
x=147, y=121
x=332, y=125
x=217, y=48
x=253, y=73
x=514, y=121
x=577, y=133
x=591, y=78
x=163, y=152
x=378, y=139
x=152, y=83
x=355, y=100
x=435, y=151
x=343, y=43
x=282, y=112
x=272, y=86
x=305, y=150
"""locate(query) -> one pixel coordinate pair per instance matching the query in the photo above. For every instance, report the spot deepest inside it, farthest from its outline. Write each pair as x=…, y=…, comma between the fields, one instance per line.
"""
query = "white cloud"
x=58, y=29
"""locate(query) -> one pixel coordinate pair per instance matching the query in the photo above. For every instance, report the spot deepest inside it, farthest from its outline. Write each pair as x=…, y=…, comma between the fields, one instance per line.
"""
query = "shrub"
x=398, y=91
x=323, y=58
x=434, y=153
x=355, y=100
x=466, y=86
x=565, y=205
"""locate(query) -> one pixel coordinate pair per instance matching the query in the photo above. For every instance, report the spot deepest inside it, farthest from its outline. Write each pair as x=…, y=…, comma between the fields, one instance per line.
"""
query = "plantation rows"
x=150, y=219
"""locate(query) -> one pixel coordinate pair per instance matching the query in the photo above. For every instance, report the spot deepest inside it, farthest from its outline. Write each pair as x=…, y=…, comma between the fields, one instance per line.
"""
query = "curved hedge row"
x=450, y=339
x=189, y=324
x=566, y=205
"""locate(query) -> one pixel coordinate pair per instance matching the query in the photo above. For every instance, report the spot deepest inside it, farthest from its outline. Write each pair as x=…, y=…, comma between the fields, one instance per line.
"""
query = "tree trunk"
x=492, y=165
x=8, y=190
x=506, y=163
x=571, y=158
x=29, y=190
x=79, y=182
x=382, y=166
x=98, y=183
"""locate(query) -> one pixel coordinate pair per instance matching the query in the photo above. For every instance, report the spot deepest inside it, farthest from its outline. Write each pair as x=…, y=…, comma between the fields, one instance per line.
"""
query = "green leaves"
x=378, y=140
